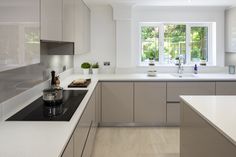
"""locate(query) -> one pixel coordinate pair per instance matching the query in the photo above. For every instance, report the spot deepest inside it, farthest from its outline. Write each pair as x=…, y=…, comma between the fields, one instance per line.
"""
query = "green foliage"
x=85, y=65
x=150, y=43
x=95, y=66
x=174, y=42
x=199, y=43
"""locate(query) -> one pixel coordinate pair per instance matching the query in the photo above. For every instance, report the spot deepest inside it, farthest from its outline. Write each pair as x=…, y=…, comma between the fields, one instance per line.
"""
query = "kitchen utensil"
x=53, y=96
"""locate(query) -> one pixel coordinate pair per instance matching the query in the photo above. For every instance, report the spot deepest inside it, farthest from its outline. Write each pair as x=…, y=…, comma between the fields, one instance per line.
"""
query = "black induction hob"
x=39, y=111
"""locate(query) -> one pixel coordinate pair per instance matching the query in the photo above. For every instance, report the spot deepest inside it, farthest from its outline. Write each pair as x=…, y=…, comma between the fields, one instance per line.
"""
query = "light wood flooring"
x=136, y=142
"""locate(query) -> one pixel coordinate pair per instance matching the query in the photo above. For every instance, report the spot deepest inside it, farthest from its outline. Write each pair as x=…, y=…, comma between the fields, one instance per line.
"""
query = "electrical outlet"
x=106, y=63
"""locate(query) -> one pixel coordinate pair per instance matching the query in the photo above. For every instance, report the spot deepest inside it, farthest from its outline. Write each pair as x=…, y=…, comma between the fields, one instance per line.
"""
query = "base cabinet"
x=173, y=114
x=150, y=102
x=225, y=88
x=117, y=102
x=69, y=151
x=81, y=142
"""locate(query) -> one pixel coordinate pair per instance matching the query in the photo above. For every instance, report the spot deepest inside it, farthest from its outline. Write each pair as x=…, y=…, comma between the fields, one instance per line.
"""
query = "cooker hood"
x=49, y=47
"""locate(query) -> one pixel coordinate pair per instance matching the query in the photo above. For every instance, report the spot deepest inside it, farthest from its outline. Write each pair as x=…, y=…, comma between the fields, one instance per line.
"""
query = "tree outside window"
x=165, y=42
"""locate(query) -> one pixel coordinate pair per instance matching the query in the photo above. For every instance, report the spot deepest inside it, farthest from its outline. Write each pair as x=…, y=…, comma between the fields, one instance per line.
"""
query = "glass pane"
x=174, y=42
x=199, y=43
x=150, y=43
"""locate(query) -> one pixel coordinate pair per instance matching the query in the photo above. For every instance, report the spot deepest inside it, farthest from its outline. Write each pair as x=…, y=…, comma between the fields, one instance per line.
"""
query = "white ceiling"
x=227, y=3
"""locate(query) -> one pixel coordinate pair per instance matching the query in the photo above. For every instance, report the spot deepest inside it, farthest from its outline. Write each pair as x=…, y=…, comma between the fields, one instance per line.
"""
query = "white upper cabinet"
x=230, y=30
x=68, y=20
x=82, y=27
x=51, y=20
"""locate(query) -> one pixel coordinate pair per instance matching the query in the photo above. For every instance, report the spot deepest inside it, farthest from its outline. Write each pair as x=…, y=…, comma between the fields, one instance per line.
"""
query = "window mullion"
x=188, y=44
x=161, y=45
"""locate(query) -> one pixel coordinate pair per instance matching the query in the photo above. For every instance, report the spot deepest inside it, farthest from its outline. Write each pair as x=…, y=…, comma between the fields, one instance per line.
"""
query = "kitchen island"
x=208, y=126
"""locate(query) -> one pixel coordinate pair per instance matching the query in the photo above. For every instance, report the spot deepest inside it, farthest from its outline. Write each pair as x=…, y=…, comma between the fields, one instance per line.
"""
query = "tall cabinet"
x=230, y=30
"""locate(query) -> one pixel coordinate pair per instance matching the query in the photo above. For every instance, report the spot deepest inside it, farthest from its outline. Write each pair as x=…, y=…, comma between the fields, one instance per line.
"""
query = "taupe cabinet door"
x=225, y=88
x=173, y=114
x=83, y=127
x=150, y=102
x=51, y=20
x=69, y=151
x=175, y=89
x=117, y=102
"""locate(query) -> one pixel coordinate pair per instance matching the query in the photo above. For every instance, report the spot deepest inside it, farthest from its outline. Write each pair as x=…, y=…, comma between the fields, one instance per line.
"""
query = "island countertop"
x=218, y=111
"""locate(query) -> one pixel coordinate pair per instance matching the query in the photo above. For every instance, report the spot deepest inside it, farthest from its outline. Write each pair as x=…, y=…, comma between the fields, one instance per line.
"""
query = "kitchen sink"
x=186, y=75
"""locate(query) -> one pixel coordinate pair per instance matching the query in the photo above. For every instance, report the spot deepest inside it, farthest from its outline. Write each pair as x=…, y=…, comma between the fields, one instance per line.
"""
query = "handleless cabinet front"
x=173, y=114
x=68, y=20
x=175, y=89
x=92, y=132
x=117, y=102
x=51, y=20
x=225, y=88
x=150, y=102
x=82, y=129
x=69, y=150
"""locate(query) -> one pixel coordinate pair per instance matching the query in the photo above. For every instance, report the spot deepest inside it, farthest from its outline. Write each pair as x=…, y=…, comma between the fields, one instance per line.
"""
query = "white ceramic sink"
x=185, y=75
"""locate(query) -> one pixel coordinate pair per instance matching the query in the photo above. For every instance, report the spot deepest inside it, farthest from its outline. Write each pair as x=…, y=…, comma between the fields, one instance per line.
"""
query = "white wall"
x=180, y=14
x=106, y=45
x=103, y=42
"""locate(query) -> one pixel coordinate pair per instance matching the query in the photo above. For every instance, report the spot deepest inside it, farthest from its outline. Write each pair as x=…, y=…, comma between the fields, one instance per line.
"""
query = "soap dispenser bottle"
x=195, y=69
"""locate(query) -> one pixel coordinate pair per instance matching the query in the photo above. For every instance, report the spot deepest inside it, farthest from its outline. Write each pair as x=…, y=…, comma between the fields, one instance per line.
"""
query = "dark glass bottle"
x=53, y=81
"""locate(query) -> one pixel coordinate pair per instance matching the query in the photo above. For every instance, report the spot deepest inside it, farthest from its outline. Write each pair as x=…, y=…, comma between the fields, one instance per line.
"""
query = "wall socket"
x=106, y=63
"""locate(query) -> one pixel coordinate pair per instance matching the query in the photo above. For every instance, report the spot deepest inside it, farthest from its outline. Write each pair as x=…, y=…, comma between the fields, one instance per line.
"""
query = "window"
x=164, y=42
x=199, y=43
x=174, y=42
x=150, y=43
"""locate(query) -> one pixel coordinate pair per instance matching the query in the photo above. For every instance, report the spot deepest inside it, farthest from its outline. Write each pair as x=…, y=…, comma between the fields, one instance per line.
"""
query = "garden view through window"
x=165, y=42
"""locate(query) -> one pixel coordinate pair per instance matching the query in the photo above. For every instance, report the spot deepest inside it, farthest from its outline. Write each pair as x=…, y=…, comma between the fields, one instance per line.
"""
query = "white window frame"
x=188, y=41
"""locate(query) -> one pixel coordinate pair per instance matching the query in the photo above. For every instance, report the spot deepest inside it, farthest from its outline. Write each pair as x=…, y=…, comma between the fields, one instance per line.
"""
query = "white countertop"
x=48, y=139
x=39, y=139
x=219, y=111
x=163, y=77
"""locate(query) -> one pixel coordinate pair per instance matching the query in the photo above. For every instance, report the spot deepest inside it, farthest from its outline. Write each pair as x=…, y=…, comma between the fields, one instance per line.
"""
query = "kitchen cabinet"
x=92, y=132
x=117, y=102
x=82, y=27
x=84, y=127
x=225, y=88
x=68, y=21
x=175, y=89
x=230, y=30
x=98, y=103
x=58, y=20
x=51, y=20
x=173, y=114
x=150, y=102
x=69, y=151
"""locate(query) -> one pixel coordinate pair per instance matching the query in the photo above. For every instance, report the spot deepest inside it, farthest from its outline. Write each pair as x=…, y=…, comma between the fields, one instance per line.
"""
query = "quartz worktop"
x=218, y=111
x=48, y=139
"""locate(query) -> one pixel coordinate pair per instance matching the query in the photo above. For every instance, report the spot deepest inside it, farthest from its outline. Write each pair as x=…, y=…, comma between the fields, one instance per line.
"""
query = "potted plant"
x=95, y=68
x=86, y=66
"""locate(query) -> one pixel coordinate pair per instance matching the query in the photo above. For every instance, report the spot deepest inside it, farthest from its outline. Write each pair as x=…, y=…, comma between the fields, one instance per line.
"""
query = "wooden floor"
x=136, y=142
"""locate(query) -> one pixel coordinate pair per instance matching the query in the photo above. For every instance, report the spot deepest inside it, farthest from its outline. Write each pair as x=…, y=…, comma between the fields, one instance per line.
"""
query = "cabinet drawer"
x=225, y=88
x=173, y=114
x=175, y=89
